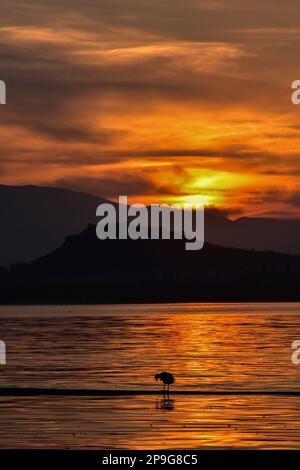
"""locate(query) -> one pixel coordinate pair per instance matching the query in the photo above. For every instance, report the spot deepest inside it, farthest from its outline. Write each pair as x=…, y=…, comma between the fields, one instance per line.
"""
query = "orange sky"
x=162, y=101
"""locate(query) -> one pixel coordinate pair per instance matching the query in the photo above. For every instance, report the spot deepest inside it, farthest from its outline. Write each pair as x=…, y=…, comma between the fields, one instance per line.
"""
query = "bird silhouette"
x=166, y=378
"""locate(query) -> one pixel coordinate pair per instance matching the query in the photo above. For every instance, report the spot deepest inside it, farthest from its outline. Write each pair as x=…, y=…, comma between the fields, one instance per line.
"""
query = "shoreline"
x=29, y=392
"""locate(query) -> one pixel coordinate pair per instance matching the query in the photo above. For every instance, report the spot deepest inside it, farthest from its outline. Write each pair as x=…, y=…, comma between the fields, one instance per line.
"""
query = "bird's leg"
x=164, y=388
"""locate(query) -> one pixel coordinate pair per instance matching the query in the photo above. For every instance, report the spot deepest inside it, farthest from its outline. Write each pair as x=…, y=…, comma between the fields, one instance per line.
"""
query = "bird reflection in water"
x=165, y=403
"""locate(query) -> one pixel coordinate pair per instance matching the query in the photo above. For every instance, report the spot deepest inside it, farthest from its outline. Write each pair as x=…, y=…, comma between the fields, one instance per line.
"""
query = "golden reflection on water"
x=144, y=422
x=208, y=347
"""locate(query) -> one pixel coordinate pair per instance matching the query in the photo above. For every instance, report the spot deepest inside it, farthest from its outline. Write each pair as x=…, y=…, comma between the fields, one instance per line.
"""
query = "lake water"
x=209, y=347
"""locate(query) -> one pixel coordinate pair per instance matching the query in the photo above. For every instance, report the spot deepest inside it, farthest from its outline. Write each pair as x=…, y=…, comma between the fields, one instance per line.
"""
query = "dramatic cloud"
x=159, y=100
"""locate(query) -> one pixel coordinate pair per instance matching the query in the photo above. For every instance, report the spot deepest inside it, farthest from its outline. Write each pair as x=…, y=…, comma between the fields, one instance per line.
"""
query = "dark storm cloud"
x=125, y=183
x=294, y=199
x=239, y=152
x=188, y=20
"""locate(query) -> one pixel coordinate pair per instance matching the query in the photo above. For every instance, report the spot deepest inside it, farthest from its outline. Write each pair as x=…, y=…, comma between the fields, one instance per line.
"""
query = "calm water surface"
x=208, y=347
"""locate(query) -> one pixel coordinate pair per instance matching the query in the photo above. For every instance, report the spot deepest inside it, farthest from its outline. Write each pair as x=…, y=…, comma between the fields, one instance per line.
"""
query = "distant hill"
x=35, y=221
x=280, y=235
x=85, y=269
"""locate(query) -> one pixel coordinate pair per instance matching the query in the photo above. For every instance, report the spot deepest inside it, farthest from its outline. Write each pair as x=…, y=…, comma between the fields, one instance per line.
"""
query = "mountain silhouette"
x=35, y=221
x=86, y=269
x=280, y=235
